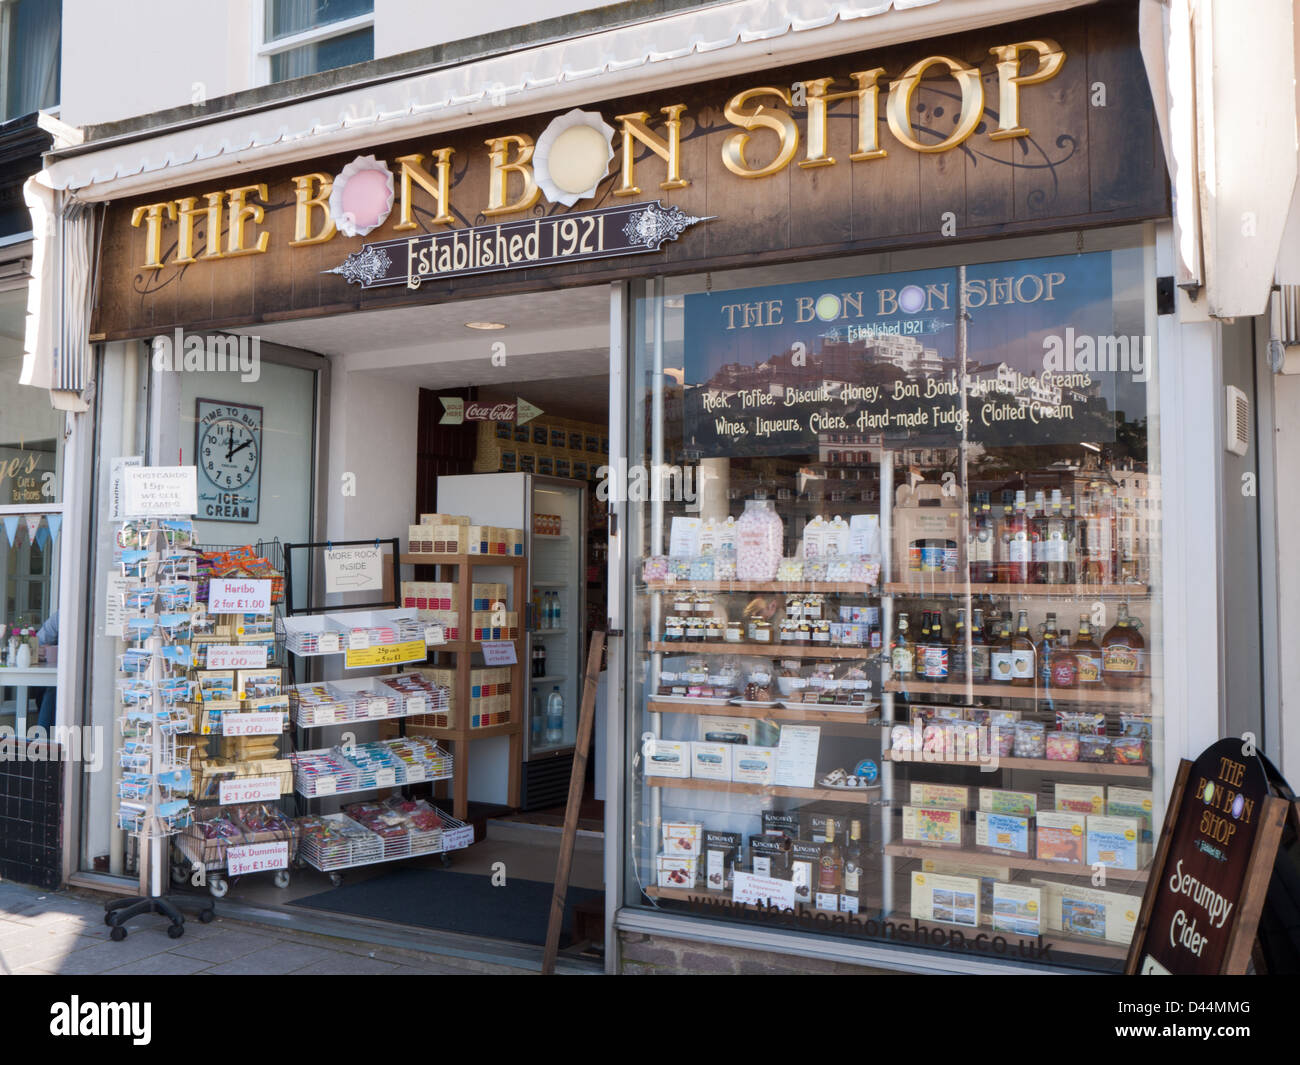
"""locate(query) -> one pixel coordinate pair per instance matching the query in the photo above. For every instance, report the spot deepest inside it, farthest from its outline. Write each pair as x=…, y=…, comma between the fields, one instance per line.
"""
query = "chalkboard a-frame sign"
x=1202, y=906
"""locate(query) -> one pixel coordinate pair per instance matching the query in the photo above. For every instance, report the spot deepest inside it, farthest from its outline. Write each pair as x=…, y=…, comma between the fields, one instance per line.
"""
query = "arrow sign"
x=454, y=410
x=354, y=569
x=526, y=412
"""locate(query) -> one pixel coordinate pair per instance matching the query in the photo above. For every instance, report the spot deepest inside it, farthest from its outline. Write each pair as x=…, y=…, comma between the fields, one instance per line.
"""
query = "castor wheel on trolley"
x=281, y=878
x=336, y=879
x=218, y=886
x=175, y=931
x=206, y=916
x=117, y=933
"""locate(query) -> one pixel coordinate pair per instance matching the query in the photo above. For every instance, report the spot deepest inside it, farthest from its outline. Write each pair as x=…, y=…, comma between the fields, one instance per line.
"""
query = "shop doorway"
x=431, y=413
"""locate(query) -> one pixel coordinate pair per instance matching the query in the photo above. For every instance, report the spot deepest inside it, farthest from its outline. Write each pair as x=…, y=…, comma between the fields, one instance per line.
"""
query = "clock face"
x=228, y=453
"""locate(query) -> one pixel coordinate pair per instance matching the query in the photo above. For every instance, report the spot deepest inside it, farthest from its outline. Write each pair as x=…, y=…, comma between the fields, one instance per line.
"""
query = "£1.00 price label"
x=250, y=789
x=251, y=724
x=257, y=857
x=237, y=656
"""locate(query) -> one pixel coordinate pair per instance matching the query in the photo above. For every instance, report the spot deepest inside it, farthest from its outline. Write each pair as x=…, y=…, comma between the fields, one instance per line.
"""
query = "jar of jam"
x=683, y=603
x=713, y=630
x=760, y=631
x=674, y=629
x=821, y=633
x=735, y=632
x=814, y=607
x=805, y=634
x=789, y=632
x=794, y=607
x=694, y=628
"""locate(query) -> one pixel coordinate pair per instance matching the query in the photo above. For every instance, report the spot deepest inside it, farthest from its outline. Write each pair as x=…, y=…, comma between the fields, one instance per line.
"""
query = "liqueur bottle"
x=853, y=866
x=1123, y=654
x=1018, y=544
x=1054, y=568
x=1022, y=653
x=1037, y=519
x=1063, y=667
x=830, y=877
x=957, y=659
x=979, y=650
x=983, y=569
x=1087, y=657
x=922, y=646
x=901, y=652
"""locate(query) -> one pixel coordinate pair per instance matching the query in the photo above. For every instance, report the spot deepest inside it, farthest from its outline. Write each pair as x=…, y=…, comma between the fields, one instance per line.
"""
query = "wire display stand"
x=156, y=775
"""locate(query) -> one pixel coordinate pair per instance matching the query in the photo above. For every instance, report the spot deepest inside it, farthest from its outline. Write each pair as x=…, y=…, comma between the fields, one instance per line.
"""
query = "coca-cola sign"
x=484, y=412
x=456, y=411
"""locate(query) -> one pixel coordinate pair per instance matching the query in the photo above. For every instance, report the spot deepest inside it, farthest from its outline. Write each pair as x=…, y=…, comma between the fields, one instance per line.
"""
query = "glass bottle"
x=1063, y=667
x=830, y=877
x=957, y=658
x=1071, y=544
x=1054, y=568
x=937, y=652
x=901, y=652
x=979, y=649
x=1002, y=572
x=922, y=646
x=1001, y=667
x=1046, y=646
x=853, y=864
x=1037, y=521
x=760, y=534
x=1087, y=657
x=1123, y=654
x=1022, y=653
x=980, y=551
x=1019, y=547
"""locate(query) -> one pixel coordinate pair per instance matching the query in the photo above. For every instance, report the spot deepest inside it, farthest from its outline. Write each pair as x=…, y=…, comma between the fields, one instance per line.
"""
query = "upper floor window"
x=29, y=55
x=308, y=36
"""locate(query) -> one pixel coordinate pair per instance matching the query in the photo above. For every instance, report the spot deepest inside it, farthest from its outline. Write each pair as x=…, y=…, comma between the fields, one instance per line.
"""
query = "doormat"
x=466, y=903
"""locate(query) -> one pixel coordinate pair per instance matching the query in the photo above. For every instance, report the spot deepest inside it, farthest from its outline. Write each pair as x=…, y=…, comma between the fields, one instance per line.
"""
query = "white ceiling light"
x=485, y=325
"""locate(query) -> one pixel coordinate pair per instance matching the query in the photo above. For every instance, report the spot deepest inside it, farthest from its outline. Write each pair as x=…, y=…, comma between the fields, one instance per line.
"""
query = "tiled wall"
x=30, y=823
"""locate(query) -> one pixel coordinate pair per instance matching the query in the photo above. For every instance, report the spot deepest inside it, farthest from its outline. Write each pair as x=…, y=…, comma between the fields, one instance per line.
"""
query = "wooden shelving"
x=1042, y=765
x=957, y=589
x=425, y=559
x=770, y=650
x=775, y=713
x=857, y=796
x=956, y=856
x=1112, y=696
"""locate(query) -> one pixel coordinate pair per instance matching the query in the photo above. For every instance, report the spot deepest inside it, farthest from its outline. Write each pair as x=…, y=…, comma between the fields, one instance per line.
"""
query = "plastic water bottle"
x=538, y=722
x=550, y=610
x=555, y=716
x=556, y=623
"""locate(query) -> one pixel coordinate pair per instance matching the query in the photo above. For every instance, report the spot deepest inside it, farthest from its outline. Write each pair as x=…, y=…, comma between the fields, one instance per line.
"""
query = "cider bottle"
x=1123, y=654
x=1087, y=657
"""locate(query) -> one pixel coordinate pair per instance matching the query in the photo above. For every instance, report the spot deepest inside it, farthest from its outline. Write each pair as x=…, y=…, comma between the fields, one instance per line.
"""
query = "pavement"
x=63, y=932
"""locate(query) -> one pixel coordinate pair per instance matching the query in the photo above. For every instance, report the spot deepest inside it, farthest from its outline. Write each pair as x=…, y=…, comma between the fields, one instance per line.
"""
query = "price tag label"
x=498, y=652
x=434, y=635
x=257, y=857
x=415, y=774
x=387, y=654
x=231, y=656
x=415, y=704
x=250, y=789
x=358, y=640
x=327, y=785
x=326, y=715
x=251, y=724
x=456, y=838
x=376, y=707
x=238, y=596
x=327, y=643
x=385, y=778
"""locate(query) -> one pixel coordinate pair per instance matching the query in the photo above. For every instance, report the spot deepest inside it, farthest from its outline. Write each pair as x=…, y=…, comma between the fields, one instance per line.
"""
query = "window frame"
x=264, y=50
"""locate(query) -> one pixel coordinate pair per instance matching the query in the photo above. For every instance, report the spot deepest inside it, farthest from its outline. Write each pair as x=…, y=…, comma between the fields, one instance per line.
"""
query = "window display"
x=856, y=685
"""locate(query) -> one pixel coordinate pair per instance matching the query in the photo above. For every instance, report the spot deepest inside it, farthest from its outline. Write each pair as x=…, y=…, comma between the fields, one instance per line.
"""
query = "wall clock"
x=228, y=454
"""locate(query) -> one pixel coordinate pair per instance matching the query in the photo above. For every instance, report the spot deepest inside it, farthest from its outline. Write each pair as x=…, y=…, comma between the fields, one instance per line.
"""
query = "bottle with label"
x=901, y=652
x=1100, y=541
x=1018, y=544
x=539, y=659
x=937, y=652
x=1001, y=667
x=1046, y=645
x=1054, y=568
x=979, y=650
x=557, y=615
x=1002, y=534
x=853, y=866
x=1123, y=654
x=1022, y=653
x=538, y=718
x=1071, y=544
x=1087, y=657
x=1063, y=667
x=922, y=646
x=537, y=609
x=830, y=877
x=979, y=549
x=555, y=716
x=1037, y=520
x=957, y=659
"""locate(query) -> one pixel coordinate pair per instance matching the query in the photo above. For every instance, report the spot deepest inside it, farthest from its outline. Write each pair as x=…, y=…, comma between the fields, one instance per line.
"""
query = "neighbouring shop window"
x=30, y=33
x=31, y=521
x=321, y=35
x=895, y=560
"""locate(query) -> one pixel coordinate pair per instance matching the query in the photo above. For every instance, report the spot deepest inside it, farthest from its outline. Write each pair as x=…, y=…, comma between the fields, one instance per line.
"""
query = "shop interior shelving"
x=460, y=734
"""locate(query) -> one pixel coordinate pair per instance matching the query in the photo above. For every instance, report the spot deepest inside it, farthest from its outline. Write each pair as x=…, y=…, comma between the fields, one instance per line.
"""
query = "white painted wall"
x=169, y=53
x=1286, y=445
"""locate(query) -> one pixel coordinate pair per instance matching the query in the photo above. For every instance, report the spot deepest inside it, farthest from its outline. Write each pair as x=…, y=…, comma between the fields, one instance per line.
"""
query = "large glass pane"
x=284, y=18
x=895, y=605
x=333, y=52
x=33, y=53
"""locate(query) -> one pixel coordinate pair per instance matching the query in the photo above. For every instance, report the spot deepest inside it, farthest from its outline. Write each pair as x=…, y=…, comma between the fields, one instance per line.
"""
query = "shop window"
x=309, y=36
x=30, y=38
x=911, y=681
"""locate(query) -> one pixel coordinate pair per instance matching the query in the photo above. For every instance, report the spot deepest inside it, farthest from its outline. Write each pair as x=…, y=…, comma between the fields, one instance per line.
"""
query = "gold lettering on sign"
x=901, y=92
x=867, y=94
x=151, y=214
x=669, y=148
x=1050, y=59
x=499, y=178
x=762, y=117
x=437, y=188
x=186, y=212
x=305, y=203
x=240, y=212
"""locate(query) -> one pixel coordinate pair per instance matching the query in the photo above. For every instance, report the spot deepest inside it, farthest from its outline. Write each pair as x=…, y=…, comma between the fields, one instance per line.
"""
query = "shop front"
x=843, y=396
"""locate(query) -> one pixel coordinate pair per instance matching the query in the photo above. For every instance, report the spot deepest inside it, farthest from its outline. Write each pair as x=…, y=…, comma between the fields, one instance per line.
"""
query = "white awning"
x=678, y=49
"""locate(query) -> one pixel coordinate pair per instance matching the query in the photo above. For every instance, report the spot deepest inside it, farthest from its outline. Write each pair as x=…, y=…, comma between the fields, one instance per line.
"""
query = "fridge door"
x=557, y=580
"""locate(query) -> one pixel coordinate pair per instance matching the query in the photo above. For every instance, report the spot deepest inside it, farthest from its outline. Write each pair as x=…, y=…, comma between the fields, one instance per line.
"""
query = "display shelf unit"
x=960, y=856
x=1041, y=765
x=776, y=587
x=855, y=796
x=773, y=650
x=1065, y=944
x=460, y=734
x=940, y=590
x=863, y=718
x=371, y=849
x=1112, y=696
